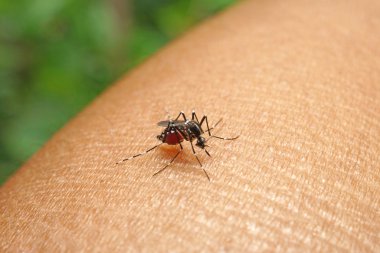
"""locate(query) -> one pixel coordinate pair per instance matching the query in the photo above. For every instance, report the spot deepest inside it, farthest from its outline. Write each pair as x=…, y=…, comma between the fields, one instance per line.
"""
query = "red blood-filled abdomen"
x=172, y=138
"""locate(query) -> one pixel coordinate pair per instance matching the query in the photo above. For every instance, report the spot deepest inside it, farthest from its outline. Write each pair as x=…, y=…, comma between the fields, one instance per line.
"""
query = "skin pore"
x=299, y=81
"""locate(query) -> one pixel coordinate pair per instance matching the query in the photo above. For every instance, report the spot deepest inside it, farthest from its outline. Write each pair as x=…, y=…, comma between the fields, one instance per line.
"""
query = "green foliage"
x=56, y=56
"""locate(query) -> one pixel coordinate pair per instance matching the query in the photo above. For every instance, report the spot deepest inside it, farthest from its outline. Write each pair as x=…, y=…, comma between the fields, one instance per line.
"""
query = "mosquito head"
x=201, y=142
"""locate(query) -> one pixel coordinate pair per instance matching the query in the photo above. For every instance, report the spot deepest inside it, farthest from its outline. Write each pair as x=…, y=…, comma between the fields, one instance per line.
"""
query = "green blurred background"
x=57, y=55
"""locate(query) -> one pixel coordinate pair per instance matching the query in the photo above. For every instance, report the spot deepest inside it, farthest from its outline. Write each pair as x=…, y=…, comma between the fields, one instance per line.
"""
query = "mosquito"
x=178, y=130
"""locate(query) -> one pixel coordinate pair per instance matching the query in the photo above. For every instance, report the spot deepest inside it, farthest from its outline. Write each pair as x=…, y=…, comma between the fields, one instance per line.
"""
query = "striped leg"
x=225, y=138
x=181, y=114
x=143, y=153
x=161, y=170
x=217, y=123
x=208, y=128
x=195, y=154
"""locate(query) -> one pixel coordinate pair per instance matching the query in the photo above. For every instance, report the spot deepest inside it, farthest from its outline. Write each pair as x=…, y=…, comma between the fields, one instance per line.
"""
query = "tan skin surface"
x=299, y=81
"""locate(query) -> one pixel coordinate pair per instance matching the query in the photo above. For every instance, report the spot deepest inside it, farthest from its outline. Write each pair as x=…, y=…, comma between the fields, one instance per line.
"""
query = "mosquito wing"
x=165, y=123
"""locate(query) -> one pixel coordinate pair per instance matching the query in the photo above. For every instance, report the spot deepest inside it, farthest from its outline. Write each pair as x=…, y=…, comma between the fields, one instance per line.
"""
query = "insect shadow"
x=179, y=130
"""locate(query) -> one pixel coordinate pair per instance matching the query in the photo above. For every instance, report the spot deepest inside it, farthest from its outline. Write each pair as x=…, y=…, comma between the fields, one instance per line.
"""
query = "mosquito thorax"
x=194, y=128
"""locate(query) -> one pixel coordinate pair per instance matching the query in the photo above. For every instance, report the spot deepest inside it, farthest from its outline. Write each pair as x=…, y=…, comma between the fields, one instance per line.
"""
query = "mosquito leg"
x=208, y=128
x=161, y=170
x=195, y=154
x=215, y=136
x=225, y=138
x=143, y=153
x=181, y=114
x=206, y=174
x=182, y=132
x=217, y=123
x=177, y=135
x=194, y=116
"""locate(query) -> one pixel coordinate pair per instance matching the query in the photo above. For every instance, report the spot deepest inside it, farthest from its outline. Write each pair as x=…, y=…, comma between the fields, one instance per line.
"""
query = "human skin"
x=298, y=80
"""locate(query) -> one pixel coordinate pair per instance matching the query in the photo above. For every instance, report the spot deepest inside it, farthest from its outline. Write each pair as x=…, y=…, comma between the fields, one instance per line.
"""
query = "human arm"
x=299, y=82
